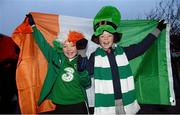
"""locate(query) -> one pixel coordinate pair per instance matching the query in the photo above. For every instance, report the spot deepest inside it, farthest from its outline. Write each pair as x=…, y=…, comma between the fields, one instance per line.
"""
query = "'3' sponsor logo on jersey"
x=68, y=75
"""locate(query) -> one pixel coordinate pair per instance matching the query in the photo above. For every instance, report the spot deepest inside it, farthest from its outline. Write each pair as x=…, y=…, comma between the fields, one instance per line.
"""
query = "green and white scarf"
x=104, y=93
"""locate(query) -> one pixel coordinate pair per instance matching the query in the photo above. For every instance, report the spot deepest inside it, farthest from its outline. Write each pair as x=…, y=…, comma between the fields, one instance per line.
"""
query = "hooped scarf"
x=104, y=93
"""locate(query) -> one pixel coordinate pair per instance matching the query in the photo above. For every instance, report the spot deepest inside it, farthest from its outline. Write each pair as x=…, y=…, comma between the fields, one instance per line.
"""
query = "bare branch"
x=170, y=11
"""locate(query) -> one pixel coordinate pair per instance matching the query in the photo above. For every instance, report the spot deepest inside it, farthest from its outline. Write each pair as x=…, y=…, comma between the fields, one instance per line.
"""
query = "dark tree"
x=170, y=11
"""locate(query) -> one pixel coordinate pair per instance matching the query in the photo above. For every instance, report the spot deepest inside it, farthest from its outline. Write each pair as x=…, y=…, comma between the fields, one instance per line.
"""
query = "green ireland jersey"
x=67, y=88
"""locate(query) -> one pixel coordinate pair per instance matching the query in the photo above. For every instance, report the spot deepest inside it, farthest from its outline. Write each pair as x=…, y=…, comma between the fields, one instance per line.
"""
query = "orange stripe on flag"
x=32, y=65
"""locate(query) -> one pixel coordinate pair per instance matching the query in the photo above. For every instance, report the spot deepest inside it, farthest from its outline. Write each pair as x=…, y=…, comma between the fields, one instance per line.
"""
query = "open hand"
x=81, y=44
x=31, y=20
x=161, y=25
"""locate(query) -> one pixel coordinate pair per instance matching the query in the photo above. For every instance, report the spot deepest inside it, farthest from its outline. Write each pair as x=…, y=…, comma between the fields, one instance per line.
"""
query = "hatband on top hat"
x=107, y=19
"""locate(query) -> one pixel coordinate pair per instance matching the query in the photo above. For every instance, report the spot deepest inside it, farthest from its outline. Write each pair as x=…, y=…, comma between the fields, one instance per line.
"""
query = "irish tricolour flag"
x=152, y=70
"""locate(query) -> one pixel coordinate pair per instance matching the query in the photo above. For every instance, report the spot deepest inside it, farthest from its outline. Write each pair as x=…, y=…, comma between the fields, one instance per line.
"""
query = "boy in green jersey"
x=64, y=84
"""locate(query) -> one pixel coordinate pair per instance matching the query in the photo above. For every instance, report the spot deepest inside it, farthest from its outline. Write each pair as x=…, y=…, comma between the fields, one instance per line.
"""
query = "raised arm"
x=45, y=47
x=83, y=62
x=136, y=50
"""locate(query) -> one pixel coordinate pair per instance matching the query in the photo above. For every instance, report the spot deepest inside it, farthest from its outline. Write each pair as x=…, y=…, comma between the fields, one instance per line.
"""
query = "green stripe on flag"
x=150, y=70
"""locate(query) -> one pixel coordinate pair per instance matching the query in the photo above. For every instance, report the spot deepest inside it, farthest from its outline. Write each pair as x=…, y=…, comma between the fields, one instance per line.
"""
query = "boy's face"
x=106, y=40
x=69, y=49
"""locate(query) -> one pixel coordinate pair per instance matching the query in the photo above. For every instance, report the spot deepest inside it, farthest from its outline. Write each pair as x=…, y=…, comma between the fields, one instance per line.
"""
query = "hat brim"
x=110, y=29
x=103, y=28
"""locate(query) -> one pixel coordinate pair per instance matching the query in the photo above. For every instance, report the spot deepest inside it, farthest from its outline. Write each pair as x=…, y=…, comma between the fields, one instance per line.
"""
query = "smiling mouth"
x=106, y=43
x=70, y=53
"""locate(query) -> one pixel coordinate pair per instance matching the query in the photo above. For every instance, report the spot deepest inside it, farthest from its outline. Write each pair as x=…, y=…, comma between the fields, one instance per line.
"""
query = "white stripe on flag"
x=104, y=86
x=127, y=84
x=104, y=111
x=169, y=68
x=121, y=60
x=83, y=25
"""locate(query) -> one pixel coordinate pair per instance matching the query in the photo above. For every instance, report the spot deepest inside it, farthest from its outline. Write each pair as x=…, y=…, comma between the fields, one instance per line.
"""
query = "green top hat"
x=107, y=19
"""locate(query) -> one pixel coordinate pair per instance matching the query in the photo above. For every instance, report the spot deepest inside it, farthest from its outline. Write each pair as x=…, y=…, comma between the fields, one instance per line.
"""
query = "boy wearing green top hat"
x=109, y=64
